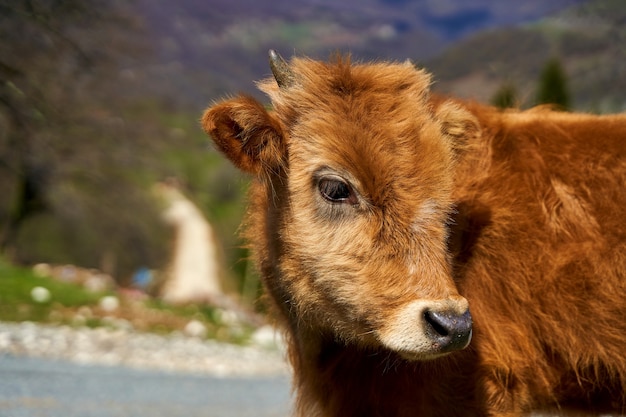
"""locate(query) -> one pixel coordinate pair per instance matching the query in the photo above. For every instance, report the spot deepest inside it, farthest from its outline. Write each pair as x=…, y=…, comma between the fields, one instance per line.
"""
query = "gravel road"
x=56, y=371
x=105, y=346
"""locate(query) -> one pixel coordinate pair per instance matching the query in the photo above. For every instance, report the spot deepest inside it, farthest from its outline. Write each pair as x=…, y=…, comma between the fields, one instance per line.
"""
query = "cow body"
x=379, y=213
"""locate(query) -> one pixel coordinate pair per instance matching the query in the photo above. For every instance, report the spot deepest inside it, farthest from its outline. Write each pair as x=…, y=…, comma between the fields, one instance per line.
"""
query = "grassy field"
x=17, y=304
x=71, y=304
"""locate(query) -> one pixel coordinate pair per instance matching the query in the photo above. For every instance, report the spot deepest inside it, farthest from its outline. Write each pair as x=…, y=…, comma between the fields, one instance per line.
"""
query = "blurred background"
x=111, y=193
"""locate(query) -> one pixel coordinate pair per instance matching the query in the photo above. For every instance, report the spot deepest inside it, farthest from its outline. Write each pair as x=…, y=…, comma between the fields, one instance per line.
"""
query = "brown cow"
x=379, y=213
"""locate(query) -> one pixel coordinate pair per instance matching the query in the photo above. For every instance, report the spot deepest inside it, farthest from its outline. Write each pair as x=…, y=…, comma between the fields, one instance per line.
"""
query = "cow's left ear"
x=457, y=123
x=246, y=133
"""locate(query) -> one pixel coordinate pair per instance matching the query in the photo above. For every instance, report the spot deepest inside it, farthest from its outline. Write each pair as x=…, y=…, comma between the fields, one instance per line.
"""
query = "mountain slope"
x=588, y=39
x=204, y=50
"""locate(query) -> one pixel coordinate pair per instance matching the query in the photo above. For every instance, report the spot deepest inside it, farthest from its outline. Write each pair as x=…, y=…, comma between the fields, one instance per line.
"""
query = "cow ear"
x=457, y=123
x=246, y=133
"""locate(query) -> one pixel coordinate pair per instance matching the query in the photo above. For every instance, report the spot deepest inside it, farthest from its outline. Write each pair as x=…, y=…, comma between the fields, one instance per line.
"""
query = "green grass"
x=67, y=299
x=16, y=303
x=216, y=325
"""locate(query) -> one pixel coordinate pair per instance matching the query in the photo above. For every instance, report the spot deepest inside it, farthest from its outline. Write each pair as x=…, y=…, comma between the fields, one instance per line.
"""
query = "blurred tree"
x=70, y=162
x=505, y=97
x=553, y=87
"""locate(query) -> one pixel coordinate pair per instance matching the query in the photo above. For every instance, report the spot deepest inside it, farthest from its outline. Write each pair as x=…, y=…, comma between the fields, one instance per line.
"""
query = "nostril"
x=437, y=322
x=448, y=330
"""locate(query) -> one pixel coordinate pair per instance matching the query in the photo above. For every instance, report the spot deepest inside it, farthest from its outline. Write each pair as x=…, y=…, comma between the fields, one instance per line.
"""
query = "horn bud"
x=282, y=73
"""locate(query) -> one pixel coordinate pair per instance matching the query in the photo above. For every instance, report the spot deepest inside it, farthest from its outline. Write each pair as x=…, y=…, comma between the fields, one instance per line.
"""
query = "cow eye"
x=336, y=191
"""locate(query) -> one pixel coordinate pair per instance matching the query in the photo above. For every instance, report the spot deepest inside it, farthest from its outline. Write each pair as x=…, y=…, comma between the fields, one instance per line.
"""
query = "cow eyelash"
x=336, y=191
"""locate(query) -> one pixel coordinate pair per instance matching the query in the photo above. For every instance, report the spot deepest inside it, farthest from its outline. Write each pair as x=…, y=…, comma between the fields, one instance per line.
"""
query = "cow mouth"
x=437, y=350
x=420, y=356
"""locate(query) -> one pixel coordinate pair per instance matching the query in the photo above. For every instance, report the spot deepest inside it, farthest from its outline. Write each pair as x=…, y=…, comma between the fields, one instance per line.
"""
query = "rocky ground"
x=126, y=347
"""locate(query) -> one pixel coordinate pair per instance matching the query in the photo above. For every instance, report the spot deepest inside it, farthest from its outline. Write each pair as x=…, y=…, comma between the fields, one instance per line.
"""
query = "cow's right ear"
x=246, y=133
x=457, y=123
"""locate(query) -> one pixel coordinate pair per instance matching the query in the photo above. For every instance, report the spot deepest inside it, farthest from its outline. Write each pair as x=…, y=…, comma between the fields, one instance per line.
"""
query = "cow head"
x=355, y=165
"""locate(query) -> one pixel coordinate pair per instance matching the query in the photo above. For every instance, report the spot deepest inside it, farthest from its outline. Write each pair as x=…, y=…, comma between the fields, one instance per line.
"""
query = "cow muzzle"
x=448, y=330
x=427, y=329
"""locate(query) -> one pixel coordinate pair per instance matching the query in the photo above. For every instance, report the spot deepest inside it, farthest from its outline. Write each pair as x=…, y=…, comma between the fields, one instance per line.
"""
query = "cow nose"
x=448, y=330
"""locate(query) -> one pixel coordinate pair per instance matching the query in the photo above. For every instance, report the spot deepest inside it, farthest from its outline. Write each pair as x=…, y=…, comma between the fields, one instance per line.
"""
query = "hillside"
x=588, y=39
x=204, y=50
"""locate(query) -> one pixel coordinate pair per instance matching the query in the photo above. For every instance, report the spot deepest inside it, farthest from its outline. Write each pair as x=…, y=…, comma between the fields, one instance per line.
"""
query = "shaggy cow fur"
x=375, y=203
